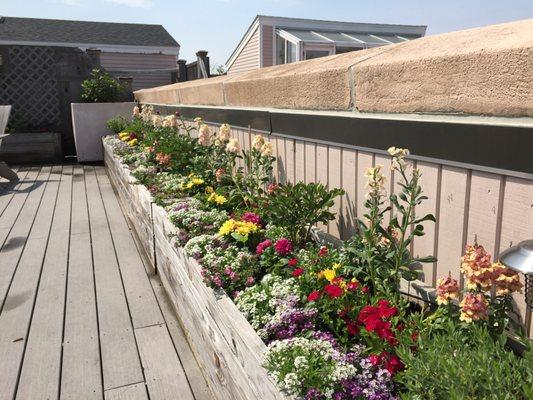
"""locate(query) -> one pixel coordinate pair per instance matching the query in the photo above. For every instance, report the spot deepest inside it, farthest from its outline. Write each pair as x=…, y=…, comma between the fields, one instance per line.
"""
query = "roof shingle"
x=83, y=32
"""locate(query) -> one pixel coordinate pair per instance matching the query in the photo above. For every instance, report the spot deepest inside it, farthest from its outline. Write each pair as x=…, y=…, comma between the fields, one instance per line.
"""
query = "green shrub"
x=451, y=365
x=101, y=88
x=117, y=124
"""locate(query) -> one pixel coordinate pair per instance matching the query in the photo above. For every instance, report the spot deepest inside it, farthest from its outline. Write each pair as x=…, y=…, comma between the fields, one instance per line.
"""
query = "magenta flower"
x=283, y=247
x=251, y=217
x=262, y=246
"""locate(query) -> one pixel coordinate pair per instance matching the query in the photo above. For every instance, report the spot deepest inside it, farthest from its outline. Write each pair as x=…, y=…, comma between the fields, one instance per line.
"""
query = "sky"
x=218, y=25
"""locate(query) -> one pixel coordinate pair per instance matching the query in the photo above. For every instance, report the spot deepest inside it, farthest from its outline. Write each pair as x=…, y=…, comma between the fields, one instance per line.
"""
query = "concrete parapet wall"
x=482, y=71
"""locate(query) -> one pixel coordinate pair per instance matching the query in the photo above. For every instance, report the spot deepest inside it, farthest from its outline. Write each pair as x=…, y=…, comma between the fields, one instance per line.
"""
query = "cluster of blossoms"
x=290, y=320
x=314, y=369
x=375, y=181
x=192, y=221
x=243, y=228
x=378, y=319
x=262, y=146
x=224, y=265
x=398, y=157
x=191, y=182
x=260, y=302
x=163, y=159
x=204, y=135
x=128, y=137
x=216, y=198
x=481, y=276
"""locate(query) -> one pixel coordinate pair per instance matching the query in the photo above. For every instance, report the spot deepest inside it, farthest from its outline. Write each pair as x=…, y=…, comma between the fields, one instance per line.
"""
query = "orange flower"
x=447, y=289
x=474, y=307
x=476, y=266
x=506, y=280
x=162, y=158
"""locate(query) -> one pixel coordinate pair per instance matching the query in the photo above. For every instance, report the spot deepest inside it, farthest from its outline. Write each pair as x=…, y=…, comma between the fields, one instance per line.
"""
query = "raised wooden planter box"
x=227, y=348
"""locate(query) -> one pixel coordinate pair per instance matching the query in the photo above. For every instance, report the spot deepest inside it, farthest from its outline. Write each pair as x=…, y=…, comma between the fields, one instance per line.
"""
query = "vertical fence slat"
x=282, y=161
x=310, y=162
x=299, y=167
x=483, y=214
x=364, y=161
x=322, y=170
x=335, y=181
x=424, y=246
x=385, y=162
x=349, y=184
x=517, y=225
x=276, y=155
x=452, y=208
x=289, y=154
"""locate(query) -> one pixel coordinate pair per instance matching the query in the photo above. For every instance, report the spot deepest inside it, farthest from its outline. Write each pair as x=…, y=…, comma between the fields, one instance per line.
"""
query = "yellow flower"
x=209, y=189
x=336, y=266
x=245, y=228
x=227, y=227
x=328, y=274
x=216, y=198
x=197, y=181
x=132, y=142
x=189, y=185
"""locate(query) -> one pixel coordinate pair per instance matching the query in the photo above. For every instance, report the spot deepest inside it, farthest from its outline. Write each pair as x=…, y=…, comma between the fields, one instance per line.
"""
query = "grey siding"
x=129, y=61
x=268, y=43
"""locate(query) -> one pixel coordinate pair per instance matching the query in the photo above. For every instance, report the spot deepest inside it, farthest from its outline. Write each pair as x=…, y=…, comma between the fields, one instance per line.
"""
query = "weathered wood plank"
x=282, y=160
x=164, y=373
x=13, y=208
x=39, y=378
x=290, y=160
x=120, y=361
x=322, y=172
x=299, y=166
x=81, y=368
x=141, y=300
x=130, y=392
x=17, y=309
x=364, y=161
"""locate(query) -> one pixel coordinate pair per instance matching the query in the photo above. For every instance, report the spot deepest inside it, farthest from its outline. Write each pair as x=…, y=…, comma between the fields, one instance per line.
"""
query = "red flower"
x=333, y=291
x=385, y=309
x=292, y=262
x=283, y=247
x=313, y=296
x=271, y=188
x=352, y=327
x=374, y=359
x=393, y=363
x=323, y=251
x=352, y=285
x=365, y=289
x=297, y=272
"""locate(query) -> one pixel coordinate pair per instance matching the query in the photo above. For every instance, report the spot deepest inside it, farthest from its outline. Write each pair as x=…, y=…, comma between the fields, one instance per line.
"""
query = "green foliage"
x=117, y=124
x=451, y=366
x=100, y=88
x=297, y=207
x=380, y=255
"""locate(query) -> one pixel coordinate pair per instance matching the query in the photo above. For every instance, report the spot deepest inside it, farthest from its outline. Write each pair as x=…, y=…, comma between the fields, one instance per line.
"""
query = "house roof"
x=301, y=24
x=56, y=31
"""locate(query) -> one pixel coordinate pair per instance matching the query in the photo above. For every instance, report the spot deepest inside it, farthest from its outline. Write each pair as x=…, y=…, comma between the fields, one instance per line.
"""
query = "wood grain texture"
x=131, y=392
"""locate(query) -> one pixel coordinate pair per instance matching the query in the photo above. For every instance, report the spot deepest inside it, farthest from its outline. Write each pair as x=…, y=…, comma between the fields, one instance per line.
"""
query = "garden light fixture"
x=520, y=258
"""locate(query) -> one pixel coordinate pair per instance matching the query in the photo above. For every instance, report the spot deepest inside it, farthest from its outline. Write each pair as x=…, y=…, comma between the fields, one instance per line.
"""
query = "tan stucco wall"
x=478, y=71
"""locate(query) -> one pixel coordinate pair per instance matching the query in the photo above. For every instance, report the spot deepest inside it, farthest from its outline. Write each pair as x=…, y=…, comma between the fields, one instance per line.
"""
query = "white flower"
x=157, y=121
x=258, y=142
x=375, y=181
x=233, y=146
x=224, y=132
x=266, y=149
x=204, y=135
x=169, y=121
x=136, y=112
x=398, y=157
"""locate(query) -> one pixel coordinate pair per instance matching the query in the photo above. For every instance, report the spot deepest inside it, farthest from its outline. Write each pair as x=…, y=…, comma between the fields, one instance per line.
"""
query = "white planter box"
x=89, y=125
x=227, y=348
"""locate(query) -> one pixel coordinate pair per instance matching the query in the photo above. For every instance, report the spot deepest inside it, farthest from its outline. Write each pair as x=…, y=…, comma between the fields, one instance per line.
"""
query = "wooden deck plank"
x=142, y=302
x=120, y=360
x=130, y=392
x=9, y=189
x=164, y=373
x=81, y=369
x=195, y=377
x=16, y=311
x=39, y=378
x=17, y=237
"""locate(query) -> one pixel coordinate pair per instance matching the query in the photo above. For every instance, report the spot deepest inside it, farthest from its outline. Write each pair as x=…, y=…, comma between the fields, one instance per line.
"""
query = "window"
x=341, y=50
x=310, y=54
x=286, y=51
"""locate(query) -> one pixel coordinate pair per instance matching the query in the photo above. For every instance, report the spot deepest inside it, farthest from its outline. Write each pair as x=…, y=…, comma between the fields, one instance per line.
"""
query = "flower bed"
x=326, y=322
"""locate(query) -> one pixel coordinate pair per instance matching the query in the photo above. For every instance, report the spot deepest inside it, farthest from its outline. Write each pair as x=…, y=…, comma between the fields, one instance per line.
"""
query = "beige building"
x=278, y=40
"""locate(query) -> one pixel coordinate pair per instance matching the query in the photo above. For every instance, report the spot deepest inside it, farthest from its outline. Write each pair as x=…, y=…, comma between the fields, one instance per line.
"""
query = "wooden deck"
x=82, y=316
